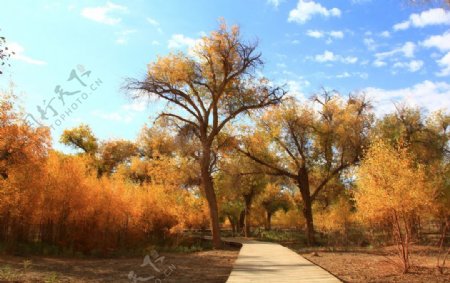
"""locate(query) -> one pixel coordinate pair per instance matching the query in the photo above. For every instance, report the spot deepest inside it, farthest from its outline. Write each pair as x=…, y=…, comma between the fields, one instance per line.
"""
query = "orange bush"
x=68, y=206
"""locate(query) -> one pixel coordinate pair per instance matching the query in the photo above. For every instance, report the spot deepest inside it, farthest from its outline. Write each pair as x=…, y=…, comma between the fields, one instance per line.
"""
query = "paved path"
x=271, y=262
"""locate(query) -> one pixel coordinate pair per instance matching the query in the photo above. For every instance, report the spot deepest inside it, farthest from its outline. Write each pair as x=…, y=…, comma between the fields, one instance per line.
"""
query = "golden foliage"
x=57, y=199
x=66, y=203
x=393, y=189
x=337, y=218
x=389, y=181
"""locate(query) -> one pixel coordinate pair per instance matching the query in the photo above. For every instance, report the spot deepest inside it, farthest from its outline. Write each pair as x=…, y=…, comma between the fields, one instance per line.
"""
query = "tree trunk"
x=248, y=203
x=269, y=219
x=303, y=183
x=241, y=221
x=233, y=225
x=208, y=188
x=307, y=213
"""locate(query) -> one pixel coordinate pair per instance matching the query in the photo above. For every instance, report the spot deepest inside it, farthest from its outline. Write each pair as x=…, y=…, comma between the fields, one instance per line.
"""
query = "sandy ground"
x=377, y=265
x=206, y=266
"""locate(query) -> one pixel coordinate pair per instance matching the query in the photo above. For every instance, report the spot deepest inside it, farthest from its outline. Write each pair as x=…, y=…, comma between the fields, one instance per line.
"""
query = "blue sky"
x=388, y=49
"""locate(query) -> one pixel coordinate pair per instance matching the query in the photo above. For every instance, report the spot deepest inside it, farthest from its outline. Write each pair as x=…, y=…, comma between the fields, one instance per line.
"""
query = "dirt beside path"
x=377, y=266
x=206, y=266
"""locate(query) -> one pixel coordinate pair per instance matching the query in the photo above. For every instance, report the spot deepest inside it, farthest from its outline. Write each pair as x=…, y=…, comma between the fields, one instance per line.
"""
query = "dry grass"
x=206, y=266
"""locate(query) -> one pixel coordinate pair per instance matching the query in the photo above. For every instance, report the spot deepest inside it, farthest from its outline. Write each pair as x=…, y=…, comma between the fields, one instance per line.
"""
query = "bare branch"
x=325, y=181
x=273, y=98
x=278, y=171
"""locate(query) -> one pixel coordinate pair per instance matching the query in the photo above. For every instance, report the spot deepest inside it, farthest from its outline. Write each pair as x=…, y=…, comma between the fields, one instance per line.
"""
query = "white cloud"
x=349, y=59
x=155, y=23
x=112, y=116
x=435, y=16
x=354, y=74
x=442, y=42
x=319, y=34
x=121, y=41
x=379, y=63
x=305, y=10
x=315, y=33
x=295, y=83
x=102, y=14
x=123, y=36
x=444, y=62
x=19, y=54
x=430, y=95
x=401, y=26
x=364, y=76
x=370, y=43
x=137, y=105
x=406, y=49
x=129, y=111
x=415, y=65
x=336, y=34
x=329, y=56
x=181, y=41
x=385, y=34
x=412, y=66
x=295, y=89
x=343, y=75
x=274, y=3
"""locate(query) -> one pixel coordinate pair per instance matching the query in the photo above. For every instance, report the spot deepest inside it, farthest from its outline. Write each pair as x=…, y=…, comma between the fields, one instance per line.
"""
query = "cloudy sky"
x=71, y=57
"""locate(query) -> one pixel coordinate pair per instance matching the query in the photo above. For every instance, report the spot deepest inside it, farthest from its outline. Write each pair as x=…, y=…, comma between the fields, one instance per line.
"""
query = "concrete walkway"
x=271, y=262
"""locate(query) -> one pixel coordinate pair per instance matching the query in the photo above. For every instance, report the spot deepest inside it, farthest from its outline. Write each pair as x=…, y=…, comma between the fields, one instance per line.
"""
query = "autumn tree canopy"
x=209, y=90
x=115, y=152
x=311, y=147
x=274, y=199
x=80, y=137
x=425, y=136
x=20, y=144
x=242, y=177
